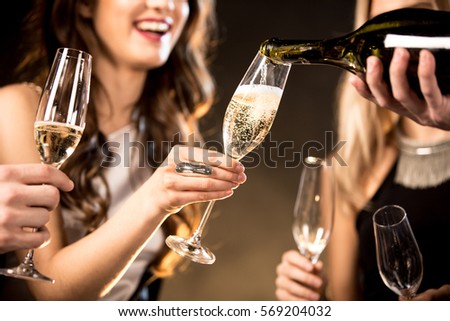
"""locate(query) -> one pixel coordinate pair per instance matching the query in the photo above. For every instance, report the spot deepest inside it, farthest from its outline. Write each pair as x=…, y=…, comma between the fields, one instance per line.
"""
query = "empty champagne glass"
x=59, y=124
x=314, y=208
x=398, y=255
x=248, y=119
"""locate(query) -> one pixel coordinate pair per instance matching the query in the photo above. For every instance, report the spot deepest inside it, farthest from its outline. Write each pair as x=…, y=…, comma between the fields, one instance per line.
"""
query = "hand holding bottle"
x=415, y=73
x=431, y=110
x=297, y=278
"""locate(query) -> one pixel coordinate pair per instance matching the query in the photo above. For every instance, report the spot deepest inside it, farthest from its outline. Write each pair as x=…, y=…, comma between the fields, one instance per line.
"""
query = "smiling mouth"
x=157, y=27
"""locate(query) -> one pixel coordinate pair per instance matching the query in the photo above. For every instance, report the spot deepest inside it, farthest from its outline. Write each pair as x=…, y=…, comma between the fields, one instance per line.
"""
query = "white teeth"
x=153, y=26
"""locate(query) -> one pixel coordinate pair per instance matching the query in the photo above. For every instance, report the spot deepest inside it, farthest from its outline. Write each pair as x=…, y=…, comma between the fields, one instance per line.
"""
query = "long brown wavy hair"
x=179, y=93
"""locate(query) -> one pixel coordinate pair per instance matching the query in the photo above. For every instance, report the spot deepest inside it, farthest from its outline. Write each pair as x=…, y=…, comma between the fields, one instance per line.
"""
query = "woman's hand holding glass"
x=297, y=278
x=24, y=201
x=58, y=127
x=170, y=190
x=248, y=118
x=299, y=273
x=432, y=110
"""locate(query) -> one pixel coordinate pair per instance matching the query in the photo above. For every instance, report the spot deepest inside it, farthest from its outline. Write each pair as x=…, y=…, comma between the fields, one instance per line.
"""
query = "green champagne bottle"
x=411, y=28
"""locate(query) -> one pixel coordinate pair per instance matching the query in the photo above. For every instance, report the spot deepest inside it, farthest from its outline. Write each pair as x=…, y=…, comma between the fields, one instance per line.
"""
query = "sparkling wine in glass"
x=314, y=208
x=398, y=255
x=248, y=119
x=59, y=124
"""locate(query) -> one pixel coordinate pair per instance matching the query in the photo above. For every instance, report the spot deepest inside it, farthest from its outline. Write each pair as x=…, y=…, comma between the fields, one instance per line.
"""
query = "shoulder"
x=16, y=96
x=18, y=101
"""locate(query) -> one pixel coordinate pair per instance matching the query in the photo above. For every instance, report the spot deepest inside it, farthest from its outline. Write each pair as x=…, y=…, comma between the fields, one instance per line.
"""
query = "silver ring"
x=185, y=167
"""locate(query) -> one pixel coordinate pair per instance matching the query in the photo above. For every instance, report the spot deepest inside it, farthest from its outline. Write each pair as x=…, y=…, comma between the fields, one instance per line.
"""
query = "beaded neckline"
x=422, y=165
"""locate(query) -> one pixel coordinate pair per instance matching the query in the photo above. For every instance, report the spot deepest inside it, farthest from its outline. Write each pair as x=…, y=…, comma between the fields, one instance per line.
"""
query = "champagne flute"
x=248, y=119
x=59, y=124
x=398, y=255
x=314, y=208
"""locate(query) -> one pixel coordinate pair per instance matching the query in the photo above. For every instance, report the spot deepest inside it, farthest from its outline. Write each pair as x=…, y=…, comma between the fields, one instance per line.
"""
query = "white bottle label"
x=406, y=41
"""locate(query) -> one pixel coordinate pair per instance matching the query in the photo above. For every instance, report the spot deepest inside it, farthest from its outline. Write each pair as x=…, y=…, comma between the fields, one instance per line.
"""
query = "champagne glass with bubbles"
x=59, y=124
x=398, y=256
x=314, y=208
x=248, y=119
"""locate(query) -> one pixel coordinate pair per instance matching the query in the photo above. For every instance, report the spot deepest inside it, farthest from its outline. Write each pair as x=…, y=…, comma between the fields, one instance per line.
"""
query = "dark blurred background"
x=249, y=232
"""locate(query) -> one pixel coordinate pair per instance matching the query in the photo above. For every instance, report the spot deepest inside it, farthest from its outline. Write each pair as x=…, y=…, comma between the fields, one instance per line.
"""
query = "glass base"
x=26, y=272
x=195, y=252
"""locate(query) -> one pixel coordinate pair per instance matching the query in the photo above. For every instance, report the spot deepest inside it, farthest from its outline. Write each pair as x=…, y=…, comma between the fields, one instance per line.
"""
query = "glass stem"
x=196, y=237
x=28, y=260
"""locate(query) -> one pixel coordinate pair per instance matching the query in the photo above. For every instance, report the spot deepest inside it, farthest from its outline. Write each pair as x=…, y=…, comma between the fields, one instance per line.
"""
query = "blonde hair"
x=366, y=129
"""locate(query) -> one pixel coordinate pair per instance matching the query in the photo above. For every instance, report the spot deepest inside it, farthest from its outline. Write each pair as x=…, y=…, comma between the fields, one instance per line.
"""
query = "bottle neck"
x=293, y=51
x=327, y=52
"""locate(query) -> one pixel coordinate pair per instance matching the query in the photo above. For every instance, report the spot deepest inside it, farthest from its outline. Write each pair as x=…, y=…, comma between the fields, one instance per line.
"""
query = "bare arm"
x=87, y=269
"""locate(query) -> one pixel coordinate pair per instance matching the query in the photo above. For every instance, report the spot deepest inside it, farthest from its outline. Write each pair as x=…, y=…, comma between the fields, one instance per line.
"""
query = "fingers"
x=47, y=174
x=24, y=209
x=398, y=68
x=399, y=80
x=21, y=196
x=215, y=173
x=23, y=239
x=188, y=197
x=440, y=294
x=400, y=99
x=191, y=168
x=437, y=105
x=35, y=174
x=433, y=110
x=376, y=84
x=34, y=239
x=193, y=182
x=202, y=156
x=301, y=269
x=186, y=167
x=188, y=188
x=289, y=289
x=427, y=78
x=297, y=278
x=362, y=88
x=16, y=219
x=198, y=184
x=237, y=176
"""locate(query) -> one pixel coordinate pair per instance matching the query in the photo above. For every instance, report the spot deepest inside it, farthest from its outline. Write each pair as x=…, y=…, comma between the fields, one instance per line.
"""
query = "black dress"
x=428, y=212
